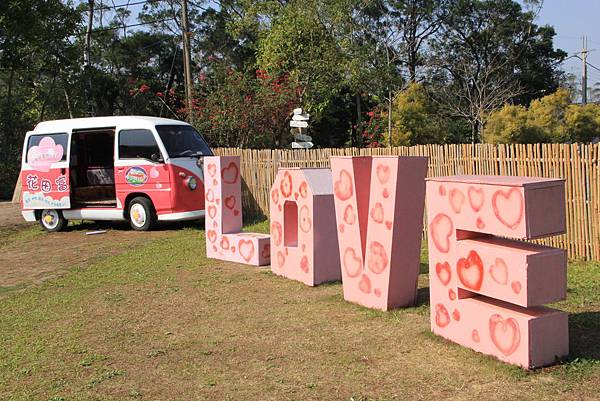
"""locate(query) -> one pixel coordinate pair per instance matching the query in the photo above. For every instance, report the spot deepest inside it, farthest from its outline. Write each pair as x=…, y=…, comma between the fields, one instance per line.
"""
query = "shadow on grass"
x=584, y=335
x=422, y=296
x=86, y=225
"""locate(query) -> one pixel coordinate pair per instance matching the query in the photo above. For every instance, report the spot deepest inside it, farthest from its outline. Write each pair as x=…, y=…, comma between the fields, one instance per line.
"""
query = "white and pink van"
x=141, y=169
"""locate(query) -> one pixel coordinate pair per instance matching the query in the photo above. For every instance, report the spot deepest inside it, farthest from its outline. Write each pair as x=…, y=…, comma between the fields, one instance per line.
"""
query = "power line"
x=117, y=6
x=133, y=25
x=593, y=66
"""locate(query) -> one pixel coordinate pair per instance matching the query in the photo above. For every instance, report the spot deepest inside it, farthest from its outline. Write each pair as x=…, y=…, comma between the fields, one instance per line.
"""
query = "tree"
x=478, y=54
x=36, y=56
x=416, y=21
x=583, y=122
x=512, y=124
x=549, y=114
x=244, y=109
x=329, y=48
x=536, y=65
x=552, y=118
x=413, y=118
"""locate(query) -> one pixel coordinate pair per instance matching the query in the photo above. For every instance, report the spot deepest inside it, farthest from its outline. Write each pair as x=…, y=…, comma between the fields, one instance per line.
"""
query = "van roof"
x=100, y=122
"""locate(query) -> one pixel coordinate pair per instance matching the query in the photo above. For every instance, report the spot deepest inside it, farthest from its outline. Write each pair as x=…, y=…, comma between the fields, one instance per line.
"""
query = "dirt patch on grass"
x=10, y=215
x=28, y=254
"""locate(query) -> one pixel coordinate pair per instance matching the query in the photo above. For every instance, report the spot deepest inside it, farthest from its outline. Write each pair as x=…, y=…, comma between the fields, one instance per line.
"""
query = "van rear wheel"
x=53, y=220
x=142, y=216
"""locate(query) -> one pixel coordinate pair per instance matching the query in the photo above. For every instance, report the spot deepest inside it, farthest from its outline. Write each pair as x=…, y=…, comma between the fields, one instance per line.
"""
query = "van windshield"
x=183, y=141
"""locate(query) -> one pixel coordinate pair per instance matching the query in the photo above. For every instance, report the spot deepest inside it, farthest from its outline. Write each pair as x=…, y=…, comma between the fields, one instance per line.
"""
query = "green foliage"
x=550, y=119
x=583, y=122
x=244, y=109
x=298, y=44
x=413, y=118
x=548, y=113
x=35, y=56
x=511, y=124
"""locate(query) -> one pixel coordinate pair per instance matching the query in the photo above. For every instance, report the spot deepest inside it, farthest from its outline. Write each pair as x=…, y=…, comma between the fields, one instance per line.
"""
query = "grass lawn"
x=160, y=321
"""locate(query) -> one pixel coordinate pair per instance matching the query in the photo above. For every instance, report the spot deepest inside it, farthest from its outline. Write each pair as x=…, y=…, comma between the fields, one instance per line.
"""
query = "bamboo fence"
x=578, y=164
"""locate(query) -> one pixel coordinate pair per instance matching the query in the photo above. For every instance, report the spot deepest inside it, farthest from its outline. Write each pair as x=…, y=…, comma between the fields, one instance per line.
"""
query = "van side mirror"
x=156, y=158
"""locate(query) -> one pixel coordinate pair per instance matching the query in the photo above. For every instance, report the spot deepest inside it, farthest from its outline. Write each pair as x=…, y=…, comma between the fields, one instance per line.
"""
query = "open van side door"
x=45, y=171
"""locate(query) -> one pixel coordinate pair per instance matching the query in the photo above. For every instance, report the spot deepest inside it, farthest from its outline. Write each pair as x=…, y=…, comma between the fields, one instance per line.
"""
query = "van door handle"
x=120, y=170
x=62, y=171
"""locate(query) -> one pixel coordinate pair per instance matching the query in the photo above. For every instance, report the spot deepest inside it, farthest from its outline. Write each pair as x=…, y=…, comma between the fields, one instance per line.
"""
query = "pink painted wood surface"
x=223, y=220
x=379, y=212
x=466, y=260
x=520, y=273
x=488, y=204
x=303, y=234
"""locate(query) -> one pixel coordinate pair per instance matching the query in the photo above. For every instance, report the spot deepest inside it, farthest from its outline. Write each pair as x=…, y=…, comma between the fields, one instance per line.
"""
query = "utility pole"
x=187, y=59
x=584, y=53
x=87, y=59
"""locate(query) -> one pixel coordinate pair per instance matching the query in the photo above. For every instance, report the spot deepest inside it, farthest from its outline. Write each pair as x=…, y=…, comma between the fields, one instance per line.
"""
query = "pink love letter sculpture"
x=223, y=195
x=303, y=234
x=486, y=292
x=379, y=211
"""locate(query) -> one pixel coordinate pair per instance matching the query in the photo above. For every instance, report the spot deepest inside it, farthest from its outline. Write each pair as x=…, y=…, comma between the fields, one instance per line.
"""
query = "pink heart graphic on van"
x=41, y=156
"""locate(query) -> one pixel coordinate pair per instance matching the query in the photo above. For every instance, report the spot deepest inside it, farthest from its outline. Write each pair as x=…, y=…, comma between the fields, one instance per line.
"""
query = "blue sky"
x=571, y=20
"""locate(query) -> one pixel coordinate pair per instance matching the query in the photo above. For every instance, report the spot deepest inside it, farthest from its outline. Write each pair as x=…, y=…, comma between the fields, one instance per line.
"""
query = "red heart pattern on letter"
x=505, y=334
x=383, y=173
x=212, y=211
x=343, y=188
x=304, y=264
x=442, y=317
x=303, y=189
x=470, y=271
x=349, y=215
x=352, y=264
x=286, y=185
x=276, y=231
x=476, y=198
x=212, y=169
x=508, y=207
x=230, y=202
x=378, y=258
x=441, y=229
x=275, y=195
x=365, y=284
x=246, y=249
x=377, y=213
x=230, y=173
x=266, y=252
x=444, y=272
x=305, y=220
x=499, y=271
x=457, y=198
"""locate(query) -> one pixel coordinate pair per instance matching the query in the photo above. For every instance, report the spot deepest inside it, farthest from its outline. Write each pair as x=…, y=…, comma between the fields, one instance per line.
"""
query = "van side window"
x=137, y=144
x=49, y=146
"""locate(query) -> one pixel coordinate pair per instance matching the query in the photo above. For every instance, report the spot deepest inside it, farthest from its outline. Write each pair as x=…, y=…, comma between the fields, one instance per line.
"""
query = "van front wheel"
x=52, y=220
x=141, y=214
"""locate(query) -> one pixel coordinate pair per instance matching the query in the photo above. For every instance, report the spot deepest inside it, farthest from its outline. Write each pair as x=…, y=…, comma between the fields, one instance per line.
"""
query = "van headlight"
x=191, y=183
